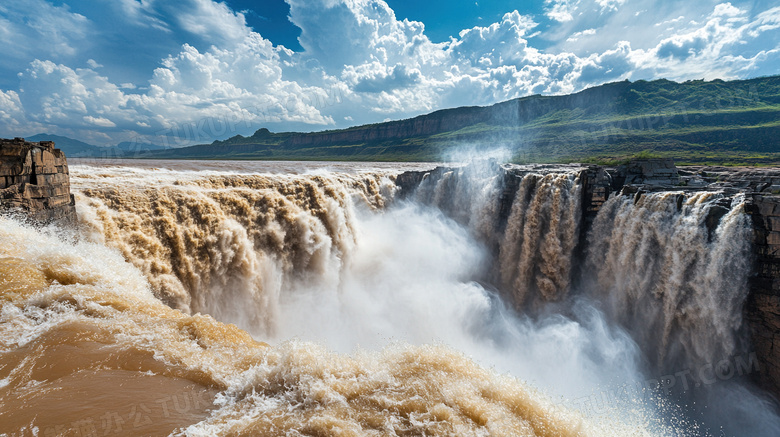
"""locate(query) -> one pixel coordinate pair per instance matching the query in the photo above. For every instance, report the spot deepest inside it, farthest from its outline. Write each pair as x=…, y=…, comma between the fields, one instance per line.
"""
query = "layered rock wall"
x=763, y=306
x=651, y=171
x=34, y=179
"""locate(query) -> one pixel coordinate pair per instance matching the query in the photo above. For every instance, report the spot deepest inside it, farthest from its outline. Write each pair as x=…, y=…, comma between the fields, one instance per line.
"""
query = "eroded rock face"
x=650, y=171
x=34, y=179
x=763, y=305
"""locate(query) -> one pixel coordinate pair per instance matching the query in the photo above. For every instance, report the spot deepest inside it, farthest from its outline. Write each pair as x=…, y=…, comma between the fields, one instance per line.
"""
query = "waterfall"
x=672, y=267
x=495, y=265
x=537, y=250
x=225, y=245
x=534, y=242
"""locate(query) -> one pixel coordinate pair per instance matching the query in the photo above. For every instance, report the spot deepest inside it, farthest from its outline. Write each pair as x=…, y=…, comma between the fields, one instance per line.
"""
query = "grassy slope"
x=720, y=122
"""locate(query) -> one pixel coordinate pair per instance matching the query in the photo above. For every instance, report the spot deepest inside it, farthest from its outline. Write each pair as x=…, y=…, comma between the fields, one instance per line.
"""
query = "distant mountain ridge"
x=135, y=147
x=696, y=121
x=711, y=122
x=79, y=149
x=71, y=147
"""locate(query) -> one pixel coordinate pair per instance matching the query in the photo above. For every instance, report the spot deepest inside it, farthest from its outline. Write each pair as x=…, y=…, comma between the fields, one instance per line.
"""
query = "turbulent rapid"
x=235, y=302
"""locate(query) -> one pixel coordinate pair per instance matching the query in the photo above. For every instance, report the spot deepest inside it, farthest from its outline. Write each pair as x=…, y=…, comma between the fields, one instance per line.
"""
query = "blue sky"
x=190, y=71
x=444, y=19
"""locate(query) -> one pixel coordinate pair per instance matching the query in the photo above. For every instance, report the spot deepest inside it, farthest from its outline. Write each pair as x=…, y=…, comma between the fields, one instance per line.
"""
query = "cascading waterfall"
x=673, y=267
x=536, y=253
x=669, y=267
x=469, y=195
x=337, y=258
x=224, y=244
x=534, y=245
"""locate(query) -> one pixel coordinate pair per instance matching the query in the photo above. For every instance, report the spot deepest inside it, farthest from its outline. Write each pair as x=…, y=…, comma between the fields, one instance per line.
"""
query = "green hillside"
x=736, y=122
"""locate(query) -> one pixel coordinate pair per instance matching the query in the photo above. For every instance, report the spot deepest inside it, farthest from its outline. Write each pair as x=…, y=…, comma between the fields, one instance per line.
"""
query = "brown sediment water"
x=677, y=281
x=123, y=327
x=87, y=348
x=216, y=243
x=72, y=356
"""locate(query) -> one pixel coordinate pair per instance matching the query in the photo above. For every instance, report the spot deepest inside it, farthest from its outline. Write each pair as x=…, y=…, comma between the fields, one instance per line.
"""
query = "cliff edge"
x=34, y=179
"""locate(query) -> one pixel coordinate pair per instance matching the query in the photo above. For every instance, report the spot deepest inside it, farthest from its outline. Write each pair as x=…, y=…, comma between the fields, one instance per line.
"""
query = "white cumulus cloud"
x=360, y=63
x=99, y=121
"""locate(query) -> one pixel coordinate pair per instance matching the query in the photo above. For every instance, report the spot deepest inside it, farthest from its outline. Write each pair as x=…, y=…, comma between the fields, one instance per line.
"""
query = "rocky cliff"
x=763, y=306
x=34, y=179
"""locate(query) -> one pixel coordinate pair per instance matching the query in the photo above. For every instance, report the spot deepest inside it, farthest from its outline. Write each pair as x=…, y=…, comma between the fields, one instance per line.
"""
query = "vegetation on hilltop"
x=712, y=122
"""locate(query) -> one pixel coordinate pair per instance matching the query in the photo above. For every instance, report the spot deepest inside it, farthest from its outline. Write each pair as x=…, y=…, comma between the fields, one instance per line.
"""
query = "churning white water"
x=376, y=305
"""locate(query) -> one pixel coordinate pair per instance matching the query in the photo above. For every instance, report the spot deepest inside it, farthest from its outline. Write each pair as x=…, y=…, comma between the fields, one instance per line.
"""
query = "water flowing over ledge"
x=512, y=266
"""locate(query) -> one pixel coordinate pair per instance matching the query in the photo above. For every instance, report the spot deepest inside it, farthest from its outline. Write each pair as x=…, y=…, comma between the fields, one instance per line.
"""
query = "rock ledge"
x=34, y=179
